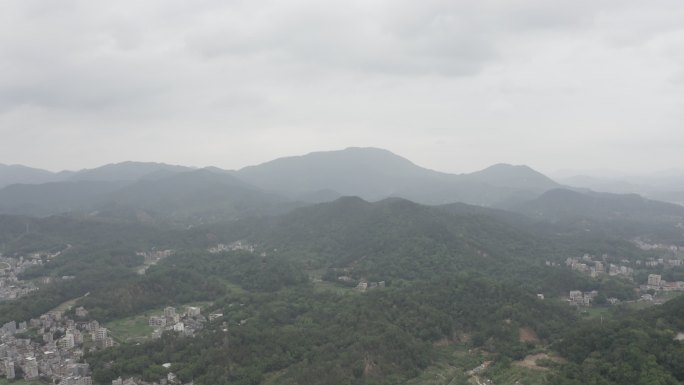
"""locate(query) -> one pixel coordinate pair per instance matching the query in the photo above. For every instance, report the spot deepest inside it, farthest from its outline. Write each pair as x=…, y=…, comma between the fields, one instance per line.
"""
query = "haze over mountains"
x=667, y=186
x=185, y=194
x=327, y=251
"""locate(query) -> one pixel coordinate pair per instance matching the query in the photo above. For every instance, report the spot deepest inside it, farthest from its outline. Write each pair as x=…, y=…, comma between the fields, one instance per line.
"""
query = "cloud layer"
x=453, y=85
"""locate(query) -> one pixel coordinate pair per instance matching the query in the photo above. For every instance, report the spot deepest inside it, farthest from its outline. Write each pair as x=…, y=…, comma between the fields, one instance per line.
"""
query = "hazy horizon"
x=554, y=174
x=454, y=86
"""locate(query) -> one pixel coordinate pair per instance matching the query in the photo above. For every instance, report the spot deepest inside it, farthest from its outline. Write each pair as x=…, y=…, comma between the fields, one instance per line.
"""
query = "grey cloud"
x=453, y=38
x=232, y=82
x=351, y=40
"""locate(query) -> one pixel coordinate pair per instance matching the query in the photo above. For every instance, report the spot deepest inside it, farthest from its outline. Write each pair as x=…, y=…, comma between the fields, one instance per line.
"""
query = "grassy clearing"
x=65, y=306
x=129, y=329
x=330, y=286
x=597, y=312
x=517, y=375
x=665, y=296
x=449, y=368
x=136, y=328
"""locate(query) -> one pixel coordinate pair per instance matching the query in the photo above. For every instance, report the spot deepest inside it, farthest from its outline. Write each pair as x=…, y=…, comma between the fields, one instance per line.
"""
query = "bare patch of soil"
x=528, y=335
x=530, y=361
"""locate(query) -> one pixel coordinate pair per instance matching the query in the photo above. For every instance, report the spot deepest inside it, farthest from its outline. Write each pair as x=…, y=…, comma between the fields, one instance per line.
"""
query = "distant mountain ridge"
x=375, y=174
x=666, y=186
x=624, y=216
x=194, y=196
x=564, y=204
x=54, y=197
x=14, y=174
x=203, y=195
x=187, y=195
x=114, y=172
x=365, y=172
x=512, y=176
x=149, y=192
x=370, y=173
x=126, y=171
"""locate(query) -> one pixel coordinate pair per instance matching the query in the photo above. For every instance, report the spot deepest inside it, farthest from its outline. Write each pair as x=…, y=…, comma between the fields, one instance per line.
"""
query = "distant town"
x=595, y=267
x=52, y=346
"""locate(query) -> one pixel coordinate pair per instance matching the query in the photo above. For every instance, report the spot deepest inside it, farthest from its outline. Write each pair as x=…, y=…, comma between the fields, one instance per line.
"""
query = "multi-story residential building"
x=9, y=370
x=654, y=280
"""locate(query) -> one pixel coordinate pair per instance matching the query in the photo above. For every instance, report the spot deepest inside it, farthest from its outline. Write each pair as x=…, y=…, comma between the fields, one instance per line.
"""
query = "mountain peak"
x=369, y=172
x=128, y=170
x=519, y=176
x=15, y=173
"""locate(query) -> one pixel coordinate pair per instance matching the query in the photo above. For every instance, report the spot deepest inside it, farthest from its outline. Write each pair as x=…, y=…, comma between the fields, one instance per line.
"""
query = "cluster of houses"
x=643, y=245
x=51, y=347
x=656, y=283
x=152, y=258
x=235, y=246
x=187, y=323
x=11, y=287
x=589, y=264
x=594, y=266
x=670, y=260
x=661, y=262
x=579, y=298
x=364, y=285
x=170, y=379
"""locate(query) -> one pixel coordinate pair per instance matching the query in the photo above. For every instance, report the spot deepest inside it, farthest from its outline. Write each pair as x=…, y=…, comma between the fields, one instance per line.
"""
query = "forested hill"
x=562, y=204
x=370, y=173
x=20, y=234
x=374, y=173
x=610, y=215
x=353, y=231
x=454, y=276
x=167, y=195
x=518, y=177
x=396, y=239
x=637, y=348
x=13, y=174
x=199, y=196
x=349, y=229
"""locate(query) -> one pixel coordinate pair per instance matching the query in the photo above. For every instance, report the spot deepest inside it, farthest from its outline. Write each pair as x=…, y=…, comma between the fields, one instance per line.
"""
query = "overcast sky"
x=451, y=85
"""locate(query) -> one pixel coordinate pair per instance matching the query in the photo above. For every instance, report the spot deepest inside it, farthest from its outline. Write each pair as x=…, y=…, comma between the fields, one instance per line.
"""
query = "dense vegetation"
x=455, y=275
x=637, y=349
x=191, y=277
x=382, y=337
x=86, y=270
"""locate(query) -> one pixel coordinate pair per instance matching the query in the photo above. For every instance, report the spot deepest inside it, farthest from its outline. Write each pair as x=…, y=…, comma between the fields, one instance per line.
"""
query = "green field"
x=131, y=328
x=517, y=375
x=667, y=295
x=597, y=312
x=452, y=363
x=65, y=306
x=136, y=328
x=330, y=286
